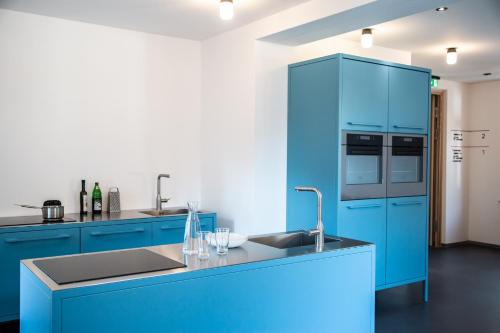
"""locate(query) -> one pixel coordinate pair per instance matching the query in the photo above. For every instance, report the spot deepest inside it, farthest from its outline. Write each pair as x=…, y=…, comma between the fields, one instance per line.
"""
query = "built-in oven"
x=407, y=165
x=363, y=165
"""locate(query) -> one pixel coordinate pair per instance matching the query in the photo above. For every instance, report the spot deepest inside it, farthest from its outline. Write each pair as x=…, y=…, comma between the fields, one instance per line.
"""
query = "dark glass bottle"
x=96, y=199
x=83, y=199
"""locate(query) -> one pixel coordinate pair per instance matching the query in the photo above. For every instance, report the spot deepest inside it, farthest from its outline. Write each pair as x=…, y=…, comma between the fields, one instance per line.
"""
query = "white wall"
x=85, y=101
x=456, y=189
x=483, y=112
x=244, y=122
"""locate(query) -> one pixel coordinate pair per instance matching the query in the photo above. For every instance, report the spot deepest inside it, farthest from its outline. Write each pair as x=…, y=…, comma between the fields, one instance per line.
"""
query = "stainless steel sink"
x=289, y=240
x=166, y=212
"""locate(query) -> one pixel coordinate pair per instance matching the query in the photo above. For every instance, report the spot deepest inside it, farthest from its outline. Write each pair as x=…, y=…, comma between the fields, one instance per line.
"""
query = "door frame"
x=437, y=204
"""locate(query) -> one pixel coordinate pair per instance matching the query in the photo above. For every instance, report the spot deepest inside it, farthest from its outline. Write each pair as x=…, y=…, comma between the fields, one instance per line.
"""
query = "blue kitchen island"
x=255, y=288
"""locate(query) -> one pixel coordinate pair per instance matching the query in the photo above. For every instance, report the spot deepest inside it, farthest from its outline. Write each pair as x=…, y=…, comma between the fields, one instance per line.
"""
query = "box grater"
x=114, y=200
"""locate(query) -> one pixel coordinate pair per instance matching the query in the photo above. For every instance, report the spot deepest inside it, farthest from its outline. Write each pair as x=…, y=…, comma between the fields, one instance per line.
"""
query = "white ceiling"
x=192, y=19
x=471, y=25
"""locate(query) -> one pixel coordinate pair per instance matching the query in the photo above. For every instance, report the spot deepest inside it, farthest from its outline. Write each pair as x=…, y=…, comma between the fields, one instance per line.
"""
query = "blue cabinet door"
x=114, y=237
x=366, y=220
x=171, y=231
x=364, y=99
x=16, y=246
x=408, y=101
x=312, y=142
x=406, y=238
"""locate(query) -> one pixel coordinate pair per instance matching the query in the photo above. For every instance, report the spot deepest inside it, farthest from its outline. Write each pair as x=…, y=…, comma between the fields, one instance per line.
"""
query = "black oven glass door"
x=407, y=166
x=363, y=167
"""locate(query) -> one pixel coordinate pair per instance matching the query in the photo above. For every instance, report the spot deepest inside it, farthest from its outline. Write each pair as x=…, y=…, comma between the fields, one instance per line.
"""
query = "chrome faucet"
x=319, y=231
x=159, y=200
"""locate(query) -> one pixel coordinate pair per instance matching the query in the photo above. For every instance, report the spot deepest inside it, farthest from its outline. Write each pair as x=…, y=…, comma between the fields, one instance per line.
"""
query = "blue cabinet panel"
x=116, y=237
x=341, y=289
x=408, y=101
x=172, y=231
x=16, y=246
x=366, y=220
x=312, y=142
x=364, y=96
x=406, y=238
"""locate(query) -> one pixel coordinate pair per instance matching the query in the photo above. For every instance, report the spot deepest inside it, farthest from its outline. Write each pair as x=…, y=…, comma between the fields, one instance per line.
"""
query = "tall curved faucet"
x=159, y=199
x=319, y=232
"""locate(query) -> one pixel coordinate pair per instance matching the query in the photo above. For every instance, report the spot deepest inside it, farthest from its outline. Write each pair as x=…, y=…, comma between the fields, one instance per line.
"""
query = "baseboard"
x=469, y=242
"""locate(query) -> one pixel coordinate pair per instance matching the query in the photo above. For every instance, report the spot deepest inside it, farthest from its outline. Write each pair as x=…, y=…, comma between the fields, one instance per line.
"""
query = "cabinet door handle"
x=363, y=124
x=108, y=233
x=170, y=228
x=408, y=127
x=364, y=206
x=408, y=203
x=35, y=239
x=165, y=227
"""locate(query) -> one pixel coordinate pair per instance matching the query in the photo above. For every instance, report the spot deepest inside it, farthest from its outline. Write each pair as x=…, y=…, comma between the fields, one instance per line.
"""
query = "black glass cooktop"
x=103, y=265
x=29, y=220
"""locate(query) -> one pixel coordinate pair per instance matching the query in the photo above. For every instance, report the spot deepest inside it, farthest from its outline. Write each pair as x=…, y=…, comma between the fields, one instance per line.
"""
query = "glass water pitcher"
x=193, y=227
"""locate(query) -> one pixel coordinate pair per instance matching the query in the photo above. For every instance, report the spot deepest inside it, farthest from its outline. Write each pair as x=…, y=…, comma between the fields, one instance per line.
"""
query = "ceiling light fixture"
x=366, y=38
x=226, y=10
x=451, y=56
x=441, y=9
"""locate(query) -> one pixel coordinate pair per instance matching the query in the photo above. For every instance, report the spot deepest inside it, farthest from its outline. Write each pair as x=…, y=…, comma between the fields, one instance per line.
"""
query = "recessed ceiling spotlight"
x=366, y=38
x=441, y=9
x=226, y=10
x=486, y=74
x=451, y=56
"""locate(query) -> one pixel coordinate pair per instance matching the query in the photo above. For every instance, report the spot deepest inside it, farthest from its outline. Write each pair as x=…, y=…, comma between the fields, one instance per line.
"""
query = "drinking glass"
x=222, y=240
x=203, y=244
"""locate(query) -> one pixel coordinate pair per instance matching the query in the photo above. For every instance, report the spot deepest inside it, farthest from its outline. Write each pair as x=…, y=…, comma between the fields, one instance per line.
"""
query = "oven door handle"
x=363, y=124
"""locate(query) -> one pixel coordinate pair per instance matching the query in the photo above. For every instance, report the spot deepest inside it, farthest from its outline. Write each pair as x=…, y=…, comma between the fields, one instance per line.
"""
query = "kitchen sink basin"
x=290, y=240
x=166, y=212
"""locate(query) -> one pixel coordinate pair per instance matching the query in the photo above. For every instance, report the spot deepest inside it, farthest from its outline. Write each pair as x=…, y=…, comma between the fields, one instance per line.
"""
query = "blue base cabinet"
x=366, y=220
x=406, y=239
x=16, y=246
x=171, y=232
x=115, y=237
x=318, y=292
x=72, y=238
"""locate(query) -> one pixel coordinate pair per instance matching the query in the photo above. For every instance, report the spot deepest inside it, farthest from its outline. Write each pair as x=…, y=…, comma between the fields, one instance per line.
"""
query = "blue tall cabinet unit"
x=343, y=92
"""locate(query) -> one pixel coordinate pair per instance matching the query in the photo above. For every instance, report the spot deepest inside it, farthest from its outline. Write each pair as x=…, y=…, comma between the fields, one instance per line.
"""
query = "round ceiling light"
x=451, y=56
x=226, y=10
x=366, y=38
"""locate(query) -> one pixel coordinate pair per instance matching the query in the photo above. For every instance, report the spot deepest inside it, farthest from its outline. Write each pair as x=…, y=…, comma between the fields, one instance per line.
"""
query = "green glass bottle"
x=96, y=199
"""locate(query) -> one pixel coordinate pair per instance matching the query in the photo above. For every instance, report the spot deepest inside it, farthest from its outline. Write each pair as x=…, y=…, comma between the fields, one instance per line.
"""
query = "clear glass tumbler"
x=203, y=245
x=222, y=240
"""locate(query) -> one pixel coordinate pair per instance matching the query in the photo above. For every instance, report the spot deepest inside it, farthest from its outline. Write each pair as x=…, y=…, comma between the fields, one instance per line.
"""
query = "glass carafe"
x=190, y=245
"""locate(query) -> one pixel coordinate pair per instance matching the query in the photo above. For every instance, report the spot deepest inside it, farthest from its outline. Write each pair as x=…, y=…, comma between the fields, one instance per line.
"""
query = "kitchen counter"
x=36, y=220
x=255, y=288
x=249, y=252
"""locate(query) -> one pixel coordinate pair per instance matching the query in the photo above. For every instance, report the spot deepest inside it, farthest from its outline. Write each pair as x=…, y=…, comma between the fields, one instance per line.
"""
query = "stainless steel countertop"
x=249, y=252
x=132, y=214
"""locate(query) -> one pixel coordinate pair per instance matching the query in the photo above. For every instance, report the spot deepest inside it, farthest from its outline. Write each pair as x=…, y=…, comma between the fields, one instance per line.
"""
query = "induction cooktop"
x=30, y=220
x=94, y=266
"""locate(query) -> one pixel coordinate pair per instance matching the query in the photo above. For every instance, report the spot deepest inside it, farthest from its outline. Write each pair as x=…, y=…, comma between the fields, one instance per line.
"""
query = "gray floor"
x=464, y=296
